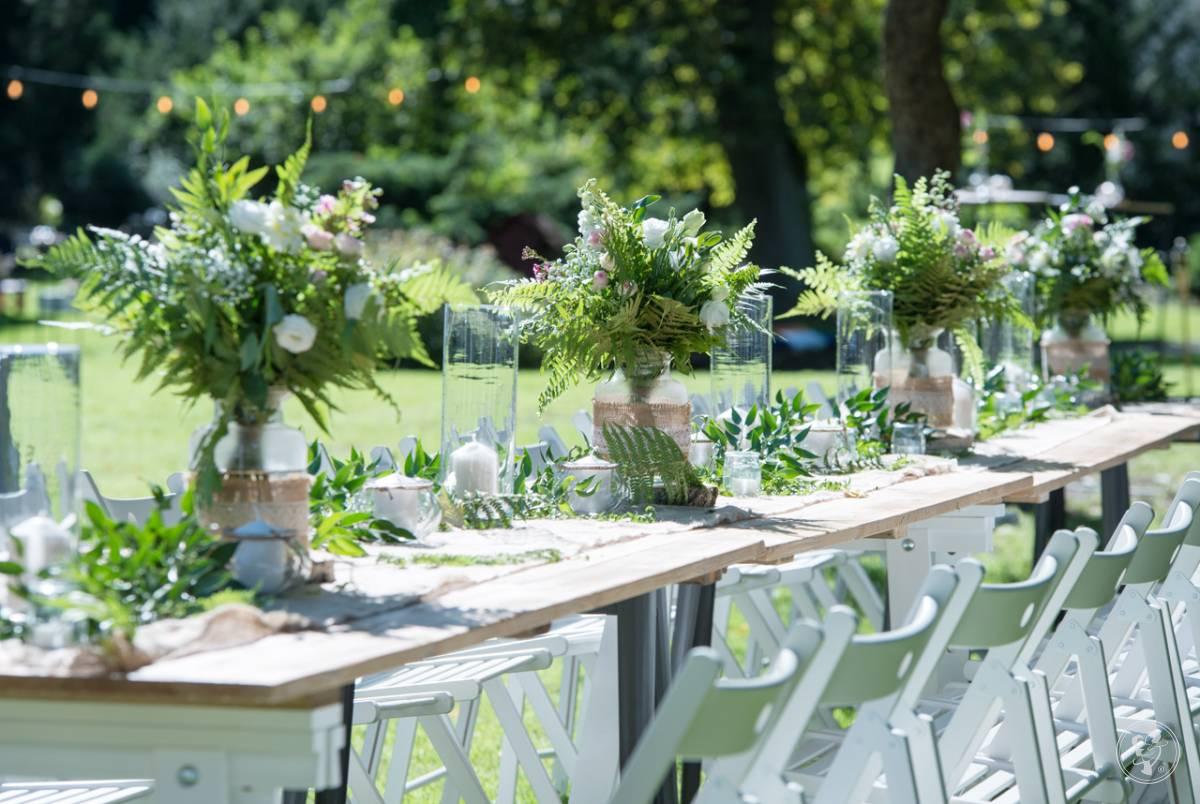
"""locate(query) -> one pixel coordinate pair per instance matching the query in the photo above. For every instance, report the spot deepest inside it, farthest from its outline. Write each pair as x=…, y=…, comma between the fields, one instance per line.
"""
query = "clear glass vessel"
x=479, y=398
x=1076, y=343
x=1008, y=344
x=263, y=465
x=650, y=396
x=39, y=463
x=406, y=502
x=864, y=326
x=921, y=370
x=908, y=438
x=740, y=372
x=743, y=473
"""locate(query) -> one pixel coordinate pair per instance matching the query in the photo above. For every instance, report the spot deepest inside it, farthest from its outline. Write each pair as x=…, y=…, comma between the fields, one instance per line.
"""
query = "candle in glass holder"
x=701, y=451
x=908, y=438
x=743, y=473
x=602, y=475
x=476, y=468
x=45, y=543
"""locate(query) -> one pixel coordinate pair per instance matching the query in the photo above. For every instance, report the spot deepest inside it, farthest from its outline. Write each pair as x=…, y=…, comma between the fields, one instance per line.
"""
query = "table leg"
x=700, y=599
x=1048, y=517
x=1114, y=498
x=334, y=795
x=908, y=557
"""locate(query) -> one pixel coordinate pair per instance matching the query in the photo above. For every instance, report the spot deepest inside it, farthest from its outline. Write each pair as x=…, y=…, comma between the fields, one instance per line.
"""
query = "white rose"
x=654, y=232
x=714, y=314
x=885, y=249
x=859, y=247
x=606, y=261
x=348, y=245
x=588, y=223
x=945, y=222
x=356, y=300
x=249, y=217
x=693, y=222
x=295, y=333
x=284, y=228
x=720, y=293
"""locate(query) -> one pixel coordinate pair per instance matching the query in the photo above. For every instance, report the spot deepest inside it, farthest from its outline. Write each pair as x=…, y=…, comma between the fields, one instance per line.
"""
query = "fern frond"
x=972, y=355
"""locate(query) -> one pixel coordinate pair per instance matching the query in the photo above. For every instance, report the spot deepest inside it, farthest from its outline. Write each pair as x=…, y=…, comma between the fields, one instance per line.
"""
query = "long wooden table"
x=178, y=721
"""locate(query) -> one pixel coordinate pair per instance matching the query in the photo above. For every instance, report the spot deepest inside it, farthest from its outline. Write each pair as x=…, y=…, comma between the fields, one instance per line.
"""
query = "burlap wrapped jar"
x=648, y=397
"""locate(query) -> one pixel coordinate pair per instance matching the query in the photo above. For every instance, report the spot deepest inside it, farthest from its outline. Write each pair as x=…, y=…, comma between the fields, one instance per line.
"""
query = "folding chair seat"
x=135, y=509
x=100, y=792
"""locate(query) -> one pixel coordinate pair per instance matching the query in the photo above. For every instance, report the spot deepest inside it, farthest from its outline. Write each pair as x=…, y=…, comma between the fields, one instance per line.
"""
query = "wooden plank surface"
x=297, y=669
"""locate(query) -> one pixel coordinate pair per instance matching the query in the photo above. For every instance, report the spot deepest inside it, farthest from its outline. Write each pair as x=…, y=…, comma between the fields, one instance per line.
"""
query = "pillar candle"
x=476, y=467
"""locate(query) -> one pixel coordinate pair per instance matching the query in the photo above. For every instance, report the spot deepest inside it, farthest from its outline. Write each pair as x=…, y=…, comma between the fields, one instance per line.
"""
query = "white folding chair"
x=101, y=792
x=136, y=509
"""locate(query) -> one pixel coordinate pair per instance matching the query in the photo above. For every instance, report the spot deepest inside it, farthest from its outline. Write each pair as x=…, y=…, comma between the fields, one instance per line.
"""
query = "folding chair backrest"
x=877, y=665
x=1157, y=549
x=1102, y=575
x=1005, y=614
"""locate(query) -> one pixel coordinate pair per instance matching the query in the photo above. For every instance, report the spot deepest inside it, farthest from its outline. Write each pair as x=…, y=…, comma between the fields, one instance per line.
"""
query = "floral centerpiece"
x=943, y=277
x=631, y=297
x=1084, y=265
x=246, y=301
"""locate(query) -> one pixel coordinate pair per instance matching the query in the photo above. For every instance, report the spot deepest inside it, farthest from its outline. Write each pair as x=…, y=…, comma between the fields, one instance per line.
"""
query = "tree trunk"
x=770, y=173
x=925, y=120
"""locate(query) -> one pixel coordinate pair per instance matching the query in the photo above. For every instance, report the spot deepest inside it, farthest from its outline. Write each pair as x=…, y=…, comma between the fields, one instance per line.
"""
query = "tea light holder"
x=479, y=398
x=743, y=473
x=702, y=452
x=406, y=502
x=601, y=496
x=831, y=441
x=908, y=438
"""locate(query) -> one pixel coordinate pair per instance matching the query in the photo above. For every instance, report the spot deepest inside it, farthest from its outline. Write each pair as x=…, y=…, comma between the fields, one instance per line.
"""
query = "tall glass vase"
x=864, y=327
x=920, y=370
x=740, y=373
x=1008, y=345
x=1075, y=343
x=263, y=467
x=648, y=396
x=479, y=398
x=39, y=464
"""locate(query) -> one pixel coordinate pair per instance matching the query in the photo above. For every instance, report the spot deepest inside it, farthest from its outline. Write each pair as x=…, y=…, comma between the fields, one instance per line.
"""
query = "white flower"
x=1134, y=258
x=945, y=222
x=676, y=258
x=885, y=249
x=249, y=217
x=606, y=261
x=714, y=314
x=588, y=223
x=355, y=300
x=283, y=228
x=720, y=293
x=349, y=245
x=654, y=232
x=693, y=222
x=295, y=333
x=860, y=246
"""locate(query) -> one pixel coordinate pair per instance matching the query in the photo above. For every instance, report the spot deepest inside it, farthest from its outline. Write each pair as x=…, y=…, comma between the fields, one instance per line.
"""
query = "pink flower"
x=628, y=288
x=318, y=239
x=1076, y=222
x=541, y=271
x=326, y=204
x=599, y=280
x=967, y=243
x=987, y=253
x=593, y=237
x=348, y=245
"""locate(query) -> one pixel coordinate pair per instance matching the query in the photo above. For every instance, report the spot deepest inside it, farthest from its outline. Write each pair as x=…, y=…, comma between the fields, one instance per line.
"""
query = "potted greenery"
x=632, y=298
x=942, y=276
x=247, y=302
x=1085, y=267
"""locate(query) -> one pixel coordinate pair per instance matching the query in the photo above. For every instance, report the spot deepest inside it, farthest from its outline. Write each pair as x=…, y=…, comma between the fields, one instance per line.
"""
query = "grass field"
x=133, y=436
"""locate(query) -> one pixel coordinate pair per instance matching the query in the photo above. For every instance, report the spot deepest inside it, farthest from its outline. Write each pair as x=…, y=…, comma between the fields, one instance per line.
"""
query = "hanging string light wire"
x=135, y=86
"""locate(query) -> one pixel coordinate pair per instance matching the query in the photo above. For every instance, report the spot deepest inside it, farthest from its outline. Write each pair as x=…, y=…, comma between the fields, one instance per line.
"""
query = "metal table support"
x=1114, y=498
x=693, y=627
x=1048, y=517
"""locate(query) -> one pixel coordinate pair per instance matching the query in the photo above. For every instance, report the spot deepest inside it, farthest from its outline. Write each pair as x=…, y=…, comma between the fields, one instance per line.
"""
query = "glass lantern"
x=740, y=374
x=864, y=324
x=1009, y=345
x=479, y=398
x=743, y=473
x=39, y=464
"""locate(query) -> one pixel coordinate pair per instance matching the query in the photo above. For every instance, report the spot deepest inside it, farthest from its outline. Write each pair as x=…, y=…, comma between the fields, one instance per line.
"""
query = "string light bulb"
x=472, y=84
x=396, y=96
x=318, y=103
x=15, y=89
x=1180, y=140
x=980, y=136
x=89, y=98
x=241, y=107
x=1045, y=141
x=164, y=104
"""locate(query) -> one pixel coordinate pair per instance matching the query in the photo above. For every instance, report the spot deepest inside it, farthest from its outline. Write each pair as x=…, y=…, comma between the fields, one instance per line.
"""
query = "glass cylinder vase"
x=740, y=372
x=262, y=463
x=864, y=325
x=479, y=398
x=648, y=396
x=1075, y=343
x=1008, y=345
x=39, y=464
x=920, y=369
